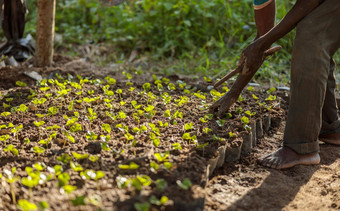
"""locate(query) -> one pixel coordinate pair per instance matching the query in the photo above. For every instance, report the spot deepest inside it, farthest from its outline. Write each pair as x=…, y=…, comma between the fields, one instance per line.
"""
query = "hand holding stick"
x=226, y=101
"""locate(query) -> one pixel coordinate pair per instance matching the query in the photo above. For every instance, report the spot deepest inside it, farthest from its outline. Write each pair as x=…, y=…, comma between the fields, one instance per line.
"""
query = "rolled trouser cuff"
x=304, y=148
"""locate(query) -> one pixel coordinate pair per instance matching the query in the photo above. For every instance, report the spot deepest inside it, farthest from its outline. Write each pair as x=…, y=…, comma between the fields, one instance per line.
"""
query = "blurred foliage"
x=206, y=36
x=166, y=28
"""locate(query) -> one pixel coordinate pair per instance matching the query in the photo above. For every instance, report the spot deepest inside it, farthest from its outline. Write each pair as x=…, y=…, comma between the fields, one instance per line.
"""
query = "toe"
x=266, y=161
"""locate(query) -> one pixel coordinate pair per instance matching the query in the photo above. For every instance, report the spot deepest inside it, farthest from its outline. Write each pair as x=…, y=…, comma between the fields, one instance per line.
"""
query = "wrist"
x=263, y=43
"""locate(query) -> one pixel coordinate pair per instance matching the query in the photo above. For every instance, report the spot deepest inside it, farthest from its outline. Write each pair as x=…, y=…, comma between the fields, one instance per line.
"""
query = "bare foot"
x=333, y=138
x=286, y=158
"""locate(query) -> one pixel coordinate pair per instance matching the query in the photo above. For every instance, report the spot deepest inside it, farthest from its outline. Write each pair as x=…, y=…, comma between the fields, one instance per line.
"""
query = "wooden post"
x=45, y=33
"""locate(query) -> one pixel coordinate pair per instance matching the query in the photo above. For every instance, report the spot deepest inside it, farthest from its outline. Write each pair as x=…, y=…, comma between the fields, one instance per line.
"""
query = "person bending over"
x=313, y=112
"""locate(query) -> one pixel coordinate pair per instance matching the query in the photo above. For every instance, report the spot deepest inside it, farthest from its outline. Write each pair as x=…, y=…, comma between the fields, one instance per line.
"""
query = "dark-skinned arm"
x=265, y=19
x=253, y=54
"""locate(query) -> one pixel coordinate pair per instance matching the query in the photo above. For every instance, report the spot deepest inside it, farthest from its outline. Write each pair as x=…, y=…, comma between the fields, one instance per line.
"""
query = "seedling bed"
x=72, y=143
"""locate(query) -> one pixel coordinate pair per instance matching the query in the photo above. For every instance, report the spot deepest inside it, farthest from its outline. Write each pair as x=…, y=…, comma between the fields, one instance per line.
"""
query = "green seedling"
x=63, y=179
x=11, y=179
x=68, y=137
x=239, y=110
x=200, y=96
x=250, y=88
x=4, y=138
x=43, y=205
x=131, y=166
x=150, y=111
x=161, y=157
x=80, y=156
x=76, y=128
x=271, y=90
x=154, y=166
x=249, y=113
x=64, y=158
x=39, y=124
x=23, y=109
x=153, y=200
x=110, y=81
x=220, y=122
x=78, y=201
x=147, y=87
x=119, y=92
x=20, y=83
x=94, y=175
x=92, y=116
x=12, y=149
x=31, y=181
x=232, y=135
x=176, y=146
x=185, y=185
x=25, y=205
x=186, y=136
x=38, y=150
x=189, y=126
x=206, y=130
x=271, y=98
x=182, y=101
x=76, y=166
x=166, y=98
x=161, y=184
x=52, y=111
x=171, y=87
x=145, y=206
x=5, y=114
x=16, y=130
x=106, y=128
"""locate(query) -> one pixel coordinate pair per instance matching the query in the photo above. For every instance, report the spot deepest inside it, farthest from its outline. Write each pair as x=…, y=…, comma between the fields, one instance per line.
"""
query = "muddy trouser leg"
x=312, y=101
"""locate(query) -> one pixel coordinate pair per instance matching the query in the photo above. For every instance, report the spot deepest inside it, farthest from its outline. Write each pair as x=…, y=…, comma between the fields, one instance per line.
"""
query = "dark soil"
x=122, y=189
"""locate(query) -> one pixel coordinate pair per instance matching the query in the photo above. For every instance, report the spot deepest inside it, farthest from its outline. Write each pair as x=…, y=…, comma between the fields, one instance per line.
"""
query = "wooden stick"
x=232, y=73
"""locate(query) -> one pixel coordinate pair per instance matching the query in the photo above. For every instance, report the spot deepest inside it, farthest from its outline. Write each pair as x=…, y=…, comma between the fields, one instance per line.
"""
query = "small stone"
x=254, y=84
x=283, y=88
x=209, y=88
x=32, y=74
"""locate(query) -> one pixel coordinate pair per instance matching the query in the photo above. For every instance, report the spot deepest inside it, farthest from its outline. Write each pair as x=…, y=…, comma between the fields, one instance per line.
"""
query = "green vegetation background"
x=192, y=36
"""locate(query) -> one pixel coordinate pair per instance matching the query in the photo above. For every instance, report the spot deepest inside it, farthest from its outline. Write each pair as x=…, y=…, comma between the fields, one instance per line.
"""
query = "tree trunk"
x=45, y=33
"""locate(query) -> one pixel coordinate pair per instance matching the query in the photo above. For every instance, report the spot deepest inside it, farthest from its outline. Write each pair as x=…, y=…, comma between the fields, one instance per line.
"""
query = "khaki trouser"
x=313, y=109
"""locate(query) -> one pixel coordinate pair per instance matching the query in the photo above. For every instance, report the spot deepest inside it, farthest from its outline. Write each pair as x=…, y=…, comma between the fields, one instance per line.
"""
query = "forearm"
x=299, y=11
x=264, y=17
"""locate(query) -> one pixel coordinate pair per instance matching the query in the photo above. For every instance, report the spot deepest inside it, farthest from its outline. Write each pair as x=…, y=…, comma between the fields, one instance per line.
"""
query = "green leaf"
x=142, y=206
x=131, y=166
x=156, y=142
x=167, y=165
x=189, y=126
x=76, y=166
x=79, y=200
x=20, y=83
x=161, y=184
x=106, y=128
x=38, y=150
x=186, y=184
x=44, y=205
x=186, y=136
x=80, y=156
x=25, y=205
x=69, y=188
x=162, y=156
x=176, y=146
x=220, y=122
x=245, y=120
